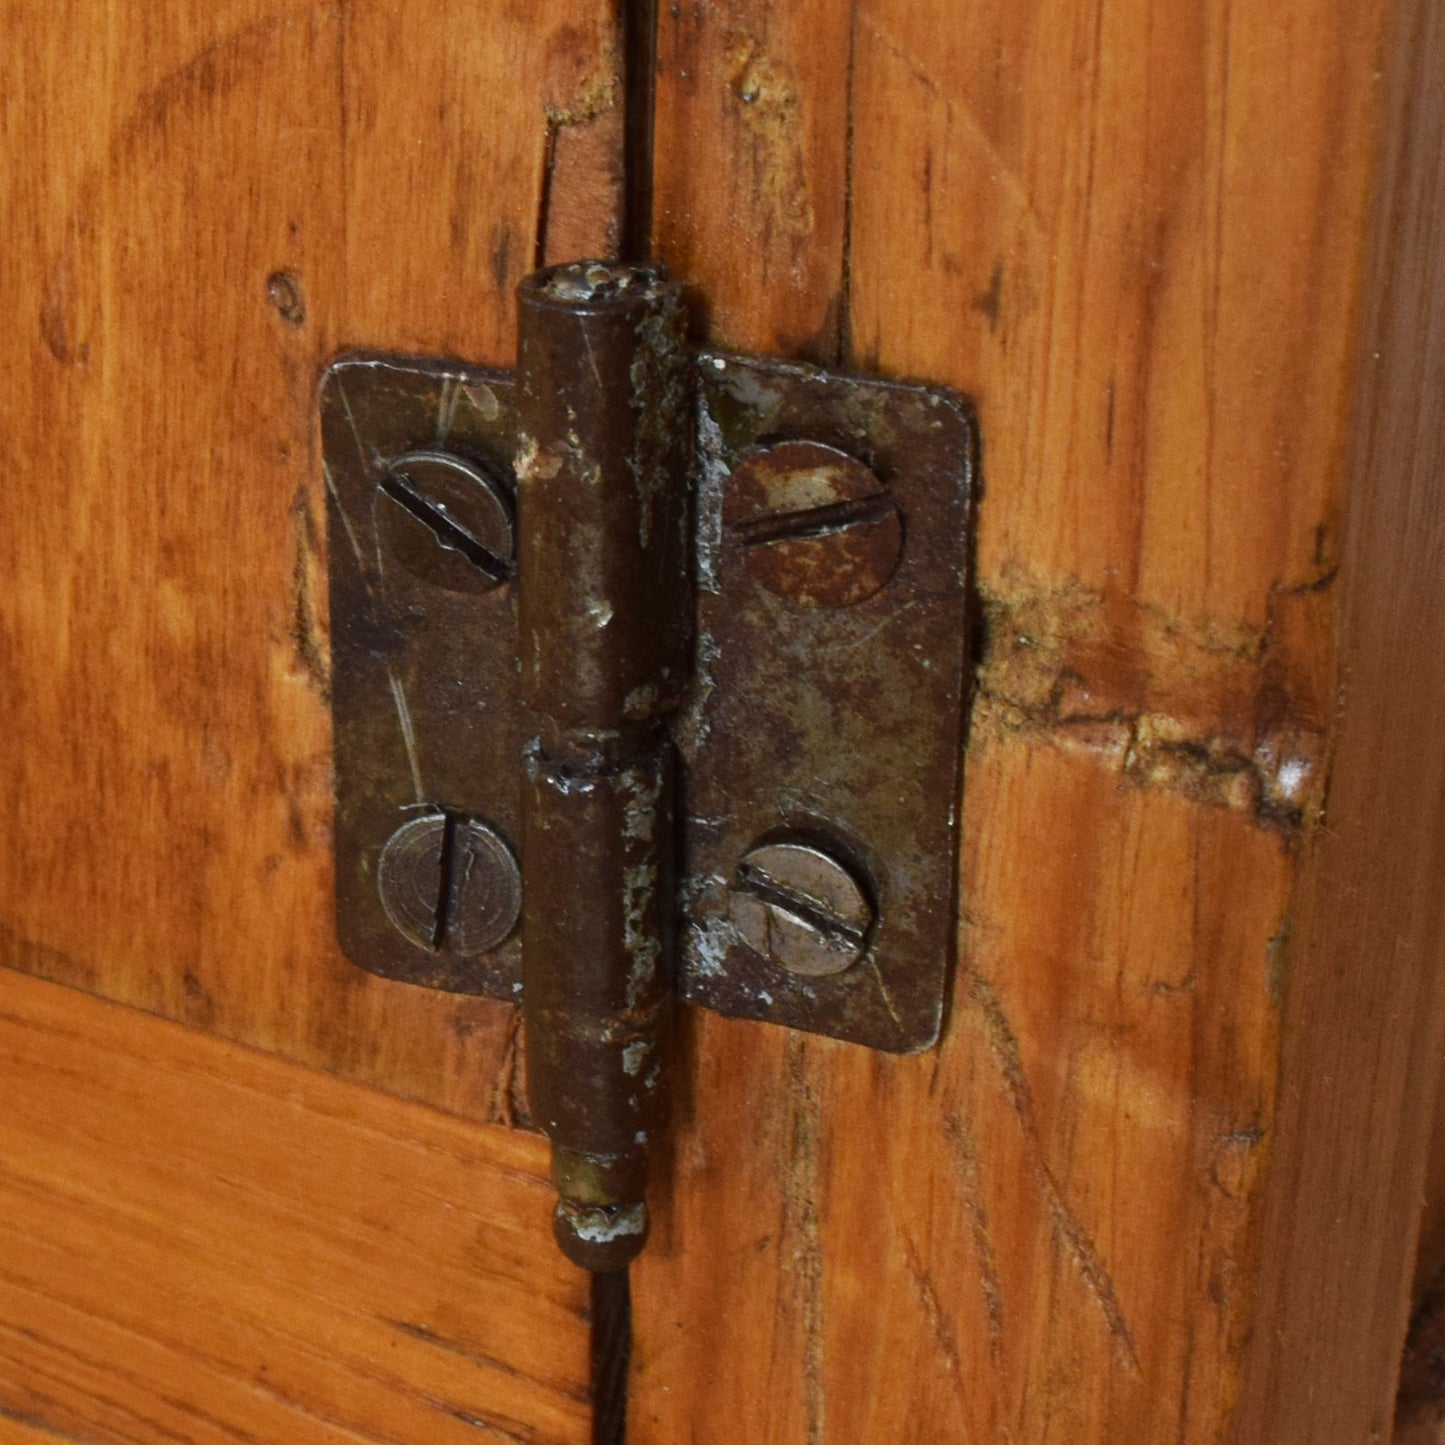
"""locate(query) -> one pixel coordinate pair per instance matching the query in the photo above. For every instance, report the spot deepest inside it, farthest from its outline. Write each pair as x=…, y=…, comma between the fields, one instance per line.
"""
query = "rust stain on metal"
x=406, y=742
x=816, y=525
x=738, y=598
x=605, y=621
x=827, y=713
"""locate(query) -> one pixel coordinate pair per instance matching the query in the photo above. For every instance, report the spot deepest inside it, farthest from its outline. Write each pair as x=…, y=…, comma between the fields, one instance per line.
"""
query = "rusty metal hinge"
x=649, y=673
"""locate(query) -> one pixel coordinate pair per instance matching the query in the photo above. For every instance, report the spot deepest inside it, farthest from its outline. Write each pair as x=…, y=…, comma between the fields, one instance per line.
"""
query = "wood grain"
x=200, y=1242
x=752, y=169
x=230, y=193
x=1142, y=238
x=1365, y=1011
x=1141, y=241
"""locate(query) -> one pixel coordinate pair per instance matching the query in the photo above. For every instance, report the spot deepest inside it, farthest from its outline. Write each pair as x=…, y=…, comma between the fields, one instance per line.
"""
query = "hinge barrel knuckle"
x=602, y=498
x=604, y=619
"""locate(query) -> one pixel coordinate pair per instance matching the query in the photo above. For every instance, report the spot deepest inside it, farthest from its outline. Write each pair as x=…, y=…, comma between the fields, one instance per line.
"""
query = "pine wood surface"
x=200, y=1242
x=203, y=203
x=1139, y=237
x=1362, y=1052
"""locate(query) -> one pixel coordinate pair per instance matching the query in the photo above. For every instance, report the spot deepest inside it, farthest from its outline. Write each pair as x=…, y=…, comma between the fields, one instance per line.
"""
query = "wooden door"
x=1165, y=1176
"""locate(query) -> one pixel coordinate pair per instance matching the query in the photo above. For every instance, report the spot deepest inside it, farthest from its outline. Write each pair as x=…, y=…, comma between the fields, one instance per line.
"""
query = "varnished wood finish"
x=1179, y=1107
x=1140, y=239
x=199, y=1242
x=203, y=203
x=1365, y=1009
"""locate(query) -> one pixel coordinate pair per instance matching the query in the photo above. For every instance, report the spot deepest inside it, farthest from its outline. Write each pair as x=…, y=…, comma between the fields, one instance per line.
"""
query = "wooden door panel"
x=204, y=203
x=1186, y=259
x=202, y=1242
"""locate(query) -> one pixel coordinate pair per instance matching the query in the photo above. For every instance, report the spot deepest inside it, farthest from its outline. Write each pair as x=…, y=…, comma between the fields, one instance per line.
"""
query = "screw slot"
x=446, y=521
x=816, y=526
x=800, y=907
x=450, y=884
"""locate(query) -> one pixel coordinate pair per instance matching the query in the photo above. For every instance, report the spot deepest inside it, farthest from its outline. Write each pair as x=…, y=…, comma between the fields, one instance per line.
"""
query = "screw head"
x=816, y=526
x=802, y=908
x=450, y=884
x=445, y=521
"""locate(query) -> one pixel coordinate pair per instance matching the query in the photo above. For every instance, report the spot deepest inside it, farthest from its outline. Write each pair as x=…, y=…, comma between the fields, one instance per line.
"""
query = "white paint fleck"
x=597, y=1228
x=709, y=943
x=640, y=702
x=1293, y=775
x=712, y=482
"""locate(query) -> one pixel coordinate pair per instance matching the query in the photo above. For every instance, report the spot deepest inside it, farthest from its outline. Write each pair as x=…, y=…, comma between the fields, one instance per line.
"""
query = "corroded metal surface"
x=450, y=882
x=603, y=462
x=838, y=727
x=821, y=709
x=801, y=908
x=425, y=712
x=815, y=525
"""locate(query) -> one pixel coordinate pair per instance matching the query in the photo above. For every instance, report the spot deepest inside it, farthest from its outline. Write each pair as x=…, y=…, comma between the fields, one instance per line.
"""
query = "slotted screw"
x=800, y=907
x=816, y=526
x=450, y=884
x=446, y=521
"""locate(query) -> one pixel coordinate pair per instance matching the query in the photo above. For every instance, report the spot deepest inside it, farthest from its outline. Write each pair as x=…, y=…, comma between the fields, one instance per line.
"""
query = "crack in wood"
x=1230, y=716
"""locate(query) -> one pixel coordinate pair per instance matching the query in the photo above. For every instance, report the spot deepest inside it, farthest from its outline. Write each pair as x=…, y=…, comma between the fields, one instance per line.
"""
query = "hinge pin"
x=604, y=618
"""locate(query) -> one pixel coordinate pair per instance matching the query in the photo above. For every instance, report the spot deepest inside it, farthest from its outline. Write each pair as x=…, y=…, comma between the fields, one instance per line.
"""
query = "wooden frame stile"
x=1358, y=1150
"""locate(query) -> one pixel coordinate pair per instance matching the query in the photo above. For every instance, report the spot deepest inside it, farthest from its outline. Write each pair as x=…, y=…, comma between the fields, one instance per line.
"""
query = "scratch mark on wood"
x=502, y=1109
x=1000, y=169
x=428, y=1336
x=1079, y=1248
x=990, y=302
x=940, y=1323
x=766, y=101
x=1226, y=715
x=284, y=293
x=61, y=322
x=207, y=76
x=511, y=1430
x=27, y=956
x=34, y=1422
x=964, y=1151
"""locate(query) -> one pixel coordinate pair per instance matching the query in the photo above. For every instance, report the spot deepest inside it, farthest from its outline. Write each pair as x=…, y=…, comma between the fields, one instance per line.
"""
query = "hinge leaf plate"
x=836, y=724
